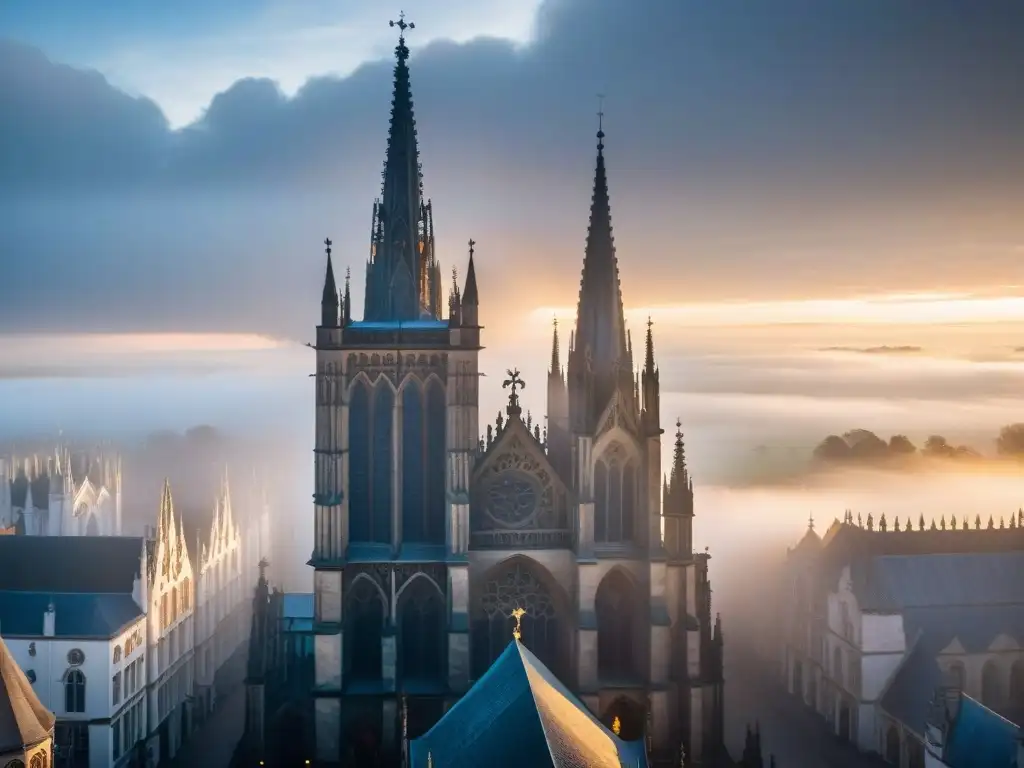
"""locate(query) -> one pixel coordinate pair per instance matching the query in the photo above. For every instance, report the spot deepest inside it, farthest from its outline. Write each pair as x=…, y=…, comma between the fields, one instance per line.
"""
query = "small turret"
x=455, y=302
x=470, y=297
x=651, y=387
x=329, y=302
x=347, y=306
x=559, y=446
x=677, y=504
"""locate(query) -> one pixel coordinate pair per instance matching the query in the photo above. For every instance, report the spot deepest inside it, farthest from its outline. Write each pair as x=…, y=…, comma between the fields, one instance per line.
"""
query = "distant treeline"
x=864, y=446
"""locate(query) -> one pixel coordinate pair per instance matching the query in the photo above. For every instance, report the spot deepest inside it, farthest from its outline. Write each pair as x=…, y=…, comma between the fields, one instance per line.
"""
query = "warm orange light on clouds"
x=887, y=309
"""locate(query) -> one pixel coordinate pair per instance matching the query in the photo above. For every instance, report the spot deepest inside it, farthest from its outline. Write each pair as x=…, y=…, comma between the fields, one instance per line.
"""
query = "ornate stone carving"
x=516, y=493
x=379, y=573
x=518, y=587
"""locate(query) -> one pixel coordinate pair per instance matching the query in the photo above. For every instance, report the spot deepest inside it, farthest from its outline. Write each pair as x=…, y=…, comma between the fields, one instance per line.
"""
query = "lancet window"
x=615, y=497
x=516, y=586
x=74, y=691
x=423, y=462
x=364, y=628
x=423, y=638
x=616, y=605
x=991, y=689
x=371, y=415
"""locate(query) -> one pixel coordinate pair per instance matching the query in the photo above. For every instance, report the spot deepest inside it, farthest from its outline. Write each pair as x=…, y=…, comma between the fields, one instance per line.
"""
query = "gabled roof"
x=78, y=615
x=895, y=582
x=24, y=721
x=520, y=714
x=98, y=564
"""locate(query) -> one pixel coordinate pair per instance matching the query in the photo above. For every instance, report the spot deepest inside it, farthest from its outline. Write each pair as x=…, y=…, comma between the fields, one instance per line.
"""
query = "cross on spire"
x=600, y=121
x=327, y=244
x=402, y=24
x=472, y=243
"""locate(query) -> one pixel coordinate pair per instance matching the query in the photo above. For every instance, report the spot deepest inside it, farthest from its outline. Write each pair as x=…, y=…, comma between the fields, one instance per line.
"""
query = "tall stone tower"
x=396, y=433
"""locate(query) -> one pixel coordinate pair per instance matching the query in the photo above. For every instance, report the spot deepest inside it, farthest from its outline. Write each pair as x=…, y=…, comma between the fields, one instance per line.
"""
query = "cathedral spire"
x=347, y=307
x=470, y=297
x=600, y=325
x=329, y=302
x=556, y=364
x=649, y=355
x=400, y=262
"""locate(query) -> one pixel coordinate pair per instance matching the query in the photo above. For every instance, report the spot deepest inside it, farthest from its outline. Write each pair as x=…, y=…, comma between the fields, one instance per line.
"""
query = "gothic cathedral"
x=429, y=531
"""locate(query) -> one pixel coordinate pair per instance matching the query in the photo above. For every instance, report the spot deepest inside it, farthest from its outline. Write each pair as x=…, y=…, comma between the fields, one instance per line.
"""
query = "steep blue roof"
x=979, y=738
x=520, y=714
x=77, y=614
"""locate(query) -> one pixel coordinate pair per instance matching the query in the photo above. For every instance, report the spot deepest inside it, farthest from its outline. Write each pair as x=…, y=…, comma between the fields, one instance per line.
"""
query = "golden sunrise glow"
x=887, y=309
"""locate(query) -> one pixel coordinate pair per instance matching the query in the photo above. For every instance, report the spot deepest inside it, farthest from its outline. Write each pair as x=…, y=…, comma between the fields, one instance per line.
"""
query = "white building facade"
x=61, y=495
x=876, y=622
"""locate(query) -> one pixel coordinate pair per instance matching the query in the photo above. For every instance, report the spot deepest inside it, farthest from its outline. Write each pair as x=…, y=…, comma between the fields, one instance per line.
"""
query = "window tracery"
x=615, y=496
x=517, y=586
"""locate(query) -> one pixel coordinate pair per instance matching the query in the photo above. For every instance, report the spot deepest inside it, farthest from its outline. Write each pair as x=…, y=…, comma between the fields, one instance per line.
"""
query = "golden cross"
x=518, y=614
x=616, y=725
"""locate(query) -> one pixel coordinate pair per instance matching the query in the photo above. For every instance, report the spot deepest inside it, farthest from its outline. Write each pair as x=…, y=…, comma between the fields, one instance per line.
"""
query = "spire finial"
x=600, y=121
x=472, y=244
x=517, y=631
x=679, y=429
x=402, y=25
x=514, y=382
x=327, y=246
x=810, y=522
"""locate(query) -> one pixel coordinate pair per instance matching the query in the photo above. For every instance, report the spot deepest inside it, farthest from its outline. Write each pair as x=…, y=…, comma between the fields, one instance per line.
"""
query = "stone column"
x=586, y=652
x=458, y=629
x=396, y=476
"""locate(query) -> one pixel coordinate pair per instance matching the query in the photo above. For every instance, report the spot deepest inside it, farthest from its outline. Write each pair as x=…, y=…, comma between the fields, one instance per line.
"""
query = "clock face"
x=512, y=498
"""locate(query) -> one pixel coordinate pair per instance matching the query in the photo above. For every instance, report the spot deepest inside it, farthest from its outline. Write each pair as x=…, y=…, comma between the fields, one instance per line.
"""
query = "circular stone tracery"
x=512, y=499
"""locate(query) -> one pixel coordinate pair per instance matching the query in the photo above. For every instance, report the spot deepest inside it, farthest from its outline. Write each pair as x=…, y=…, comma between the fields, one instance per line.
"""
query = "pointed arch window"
x=422, y=632
x=364, y=628
x=359, y=448
x=516, y=586
x=74, y=691
x=414, y=518
x=436, y=460
x=615, y=497
x=616, y=605
x=1017, y=684
x=991, y=688
x=380, y=488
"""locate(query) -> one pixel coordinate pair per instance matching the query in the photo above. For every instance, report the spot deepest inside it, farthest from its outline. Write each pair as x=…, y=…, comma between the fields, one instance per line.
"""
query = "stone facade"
x=430, y=529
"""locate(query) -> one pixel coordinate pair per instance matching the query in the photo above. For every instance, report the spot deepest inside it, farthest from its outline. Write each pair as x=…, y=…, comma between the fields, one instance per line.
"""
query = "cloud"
x=885, y=349
x=804, y=123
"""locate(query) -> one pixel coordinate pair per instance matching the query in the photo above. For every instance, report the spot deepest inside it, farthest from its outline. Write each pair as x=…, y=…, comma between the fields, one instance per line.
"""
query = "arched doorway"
x=364, y=627
x=422, y=632
x=616, y=605
x=631, y=716
x=520, y=583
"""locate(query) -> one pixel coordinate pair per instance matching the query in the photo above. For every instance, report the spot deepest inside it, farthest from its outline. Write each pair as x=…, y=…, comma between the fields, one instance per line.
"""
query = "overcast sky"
x=177, y=167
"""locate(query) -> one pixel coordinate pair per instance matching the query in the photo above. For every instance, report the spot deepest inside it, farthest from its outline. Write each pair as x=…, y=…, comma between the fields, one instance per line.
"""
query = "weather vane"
x=513, y=382
x=517, y=631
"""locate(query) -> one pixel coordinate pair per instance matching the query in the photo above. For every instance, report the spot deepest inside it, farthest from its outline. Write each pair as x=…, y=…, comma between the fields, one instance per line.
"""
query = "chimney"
x=49, y=620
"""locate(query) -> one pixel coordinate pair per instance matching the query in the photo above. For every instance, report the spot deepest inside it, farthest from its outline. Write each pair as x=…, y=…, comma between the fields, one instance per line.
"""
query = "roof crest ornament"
x=402, y=24
x=514, y=382
x=517, y=631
